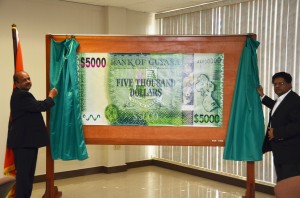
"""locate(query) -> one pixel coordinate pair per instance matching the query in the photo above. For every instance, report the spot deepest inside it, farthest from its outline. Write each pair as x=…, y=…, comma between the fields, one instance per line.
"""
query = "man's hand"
x=270, y=133
x=260, y=90
x=53, y=92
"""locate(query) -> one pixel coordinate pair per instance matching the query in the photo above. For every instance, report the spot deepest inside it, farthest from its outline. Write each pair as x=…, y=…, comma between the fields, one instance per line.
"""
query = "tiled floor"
x=145, y=182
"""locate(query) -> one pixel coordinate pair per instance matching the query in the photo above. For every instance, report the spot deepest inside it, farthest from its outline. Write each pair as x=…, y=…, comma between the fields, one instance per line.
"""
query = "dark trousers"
x=25, y=163
x=284, y=171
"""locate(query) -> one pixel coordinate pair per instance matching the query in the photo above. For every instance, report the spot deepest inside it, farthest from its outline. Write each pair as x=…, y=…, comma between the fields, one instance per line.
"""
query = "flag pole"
x=18, y=59
x=15, y=42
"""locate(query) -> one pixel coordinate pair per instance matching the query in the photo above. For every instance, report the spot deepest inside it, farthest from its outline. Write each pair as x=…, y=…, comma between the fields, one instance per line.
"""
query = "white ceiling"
x=149, y=6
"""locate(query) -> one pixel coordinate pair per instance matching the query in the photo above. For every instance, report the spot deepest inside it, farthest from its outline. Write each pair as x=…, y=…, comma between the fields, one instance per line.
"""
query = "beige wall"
x=34, y=19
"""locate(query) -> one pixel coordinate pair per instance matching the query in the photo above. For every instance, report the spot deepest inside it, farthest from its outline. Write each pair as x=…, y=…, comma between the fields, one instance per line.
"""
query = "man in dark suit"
x=283, y=132
x=27, y=131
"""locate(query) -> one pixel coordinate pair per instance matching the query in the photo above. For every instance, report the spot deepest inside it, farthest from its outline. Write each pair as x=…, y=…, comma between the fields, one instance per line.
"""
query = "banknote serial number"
x=92, y=62
x=213, y=60
x=204, y=118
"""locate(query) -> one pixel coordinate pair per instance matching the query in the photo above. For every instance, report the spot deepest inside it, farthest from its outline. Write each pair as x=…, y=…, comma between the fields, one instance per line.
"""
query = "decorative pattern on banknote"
x=88, y=117
x=188, y=89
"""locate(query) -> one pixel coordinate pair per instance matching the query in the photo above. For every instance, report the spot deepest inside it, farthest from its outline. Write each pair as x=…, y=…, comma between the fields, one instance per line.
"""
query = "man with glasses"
x=283, y=132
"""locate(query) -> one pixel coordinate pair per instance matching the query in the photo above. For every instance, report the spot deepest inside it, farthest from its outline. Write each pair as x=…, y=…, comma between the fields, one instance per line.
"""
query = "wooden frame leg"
x=51, y=190
x=250, y=185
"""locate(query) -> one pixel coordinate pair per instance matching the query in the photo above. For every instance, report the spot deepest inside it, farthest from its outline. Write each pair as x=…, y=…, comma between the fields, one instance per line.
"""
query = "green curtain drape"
x=66, y=134
x=245, y=133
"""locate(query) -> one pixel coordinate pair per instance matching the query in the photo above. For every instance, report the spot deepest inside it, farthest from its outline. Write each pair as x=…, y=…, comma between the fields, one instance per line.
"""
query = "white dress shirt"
x=278, y=101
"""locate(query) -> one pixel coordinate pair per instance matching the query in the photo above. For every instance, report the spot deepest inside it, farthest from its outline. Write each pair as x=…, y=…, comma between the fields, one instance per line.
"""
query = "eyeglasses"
x=279, y=84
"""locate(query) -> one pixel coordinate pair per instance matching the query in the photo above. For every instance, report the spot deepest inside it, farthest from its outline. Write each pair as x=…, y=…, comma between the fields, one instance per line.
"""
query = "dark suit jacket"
x=286, y=123
x=27, y=127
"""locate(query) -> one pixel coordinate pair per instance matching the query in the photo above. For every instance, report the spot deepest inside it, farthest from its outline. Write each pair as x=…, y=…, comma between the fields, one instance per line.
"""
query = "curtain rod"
x=217, y=3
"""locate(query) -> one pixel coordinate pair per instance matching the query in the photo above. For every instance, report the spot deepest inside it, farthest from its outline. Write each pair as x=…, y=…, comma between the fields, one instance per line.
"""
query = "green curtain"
x=66, y=134
x=245, y=133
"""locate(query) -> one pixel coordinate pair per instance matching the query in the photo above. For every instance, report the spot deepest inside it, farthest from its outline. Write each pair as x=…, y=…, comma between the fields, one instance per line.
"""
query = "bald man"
x=27, y=131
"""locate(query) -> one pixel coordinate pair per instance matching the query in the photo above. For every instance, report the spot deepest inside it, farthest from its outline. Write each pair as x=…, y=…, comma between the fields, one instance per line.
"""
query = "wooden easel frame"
x=230, y=45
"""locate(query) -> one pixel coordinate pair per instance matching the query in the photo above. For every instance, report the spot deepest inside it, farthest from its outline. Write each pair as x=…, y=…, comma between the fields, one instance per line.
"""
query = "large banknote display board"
x=156, y=90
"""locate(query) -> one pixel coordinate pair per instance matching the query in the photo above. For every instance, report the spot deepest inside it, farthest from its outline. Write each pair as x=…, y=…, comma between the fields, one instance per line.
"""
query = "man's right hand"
x=260, y=91
x=53, y=92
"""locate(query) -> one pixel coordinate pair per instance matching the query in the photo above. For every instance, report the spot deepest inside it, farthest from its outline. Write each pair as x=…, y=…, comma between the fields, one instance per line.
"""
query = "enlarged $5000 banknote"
x=151, y=89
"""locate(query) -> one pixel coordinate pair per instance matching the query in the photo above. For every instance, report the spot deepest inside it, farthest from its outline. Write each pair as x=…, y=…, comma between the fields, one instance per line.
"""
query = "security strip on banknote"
x=151, y=89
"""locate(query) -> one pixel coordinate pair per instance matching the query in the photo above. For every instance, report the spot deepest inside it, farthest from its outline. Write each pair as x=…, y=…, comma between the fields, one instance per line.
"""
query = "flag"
x=245, y=132
x=9, y=165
